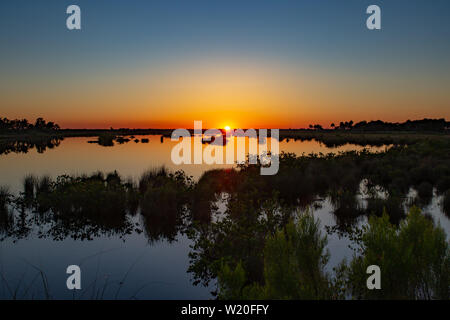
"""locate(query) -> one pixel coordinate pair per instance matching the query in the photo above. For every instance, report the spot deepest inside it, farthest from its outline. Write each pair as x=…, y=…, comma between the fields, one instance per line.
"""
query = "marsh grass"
x=86, y=206
x=152, y=177
x=6, y=216
x=4, y=198
x=164, y=197
x=256, y=206
x=29, y=183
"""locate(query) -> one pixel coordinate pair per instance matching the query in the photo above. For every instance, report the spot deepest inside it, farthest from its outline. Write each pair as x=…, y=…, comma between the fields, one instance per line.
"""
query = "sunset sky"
x=272, y=64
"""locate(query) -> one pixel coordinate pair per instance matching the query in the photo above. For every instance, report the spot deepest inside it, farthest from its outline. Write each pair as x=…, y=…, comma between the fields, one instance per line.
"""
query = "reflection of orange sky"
x=249, y=94
x=76, y=156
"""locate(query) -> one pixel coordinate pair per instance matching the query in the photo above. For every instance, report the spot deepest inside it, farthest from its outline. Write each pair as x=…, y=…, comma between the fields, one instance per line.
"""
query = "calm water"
x=148, y=270
x=77, y=156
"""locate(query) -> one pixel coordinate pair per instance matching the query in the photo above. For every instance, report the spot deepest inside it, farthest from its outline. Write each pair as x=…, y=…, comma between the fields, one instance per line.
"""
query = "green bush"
x=414, y=260
x=294, y=261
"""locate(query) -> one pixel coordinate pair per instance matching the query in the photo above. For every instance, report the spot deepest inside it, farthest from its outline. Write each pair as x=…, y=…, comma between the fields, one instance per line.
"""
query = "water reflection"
x=167, y=203
x=24, y=145
x=225, y=211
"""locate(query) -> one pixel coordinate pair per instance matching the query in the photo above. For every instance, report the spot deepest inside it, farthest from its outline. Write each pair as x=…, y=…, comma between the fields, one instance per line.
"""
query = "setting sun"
x=227, y=128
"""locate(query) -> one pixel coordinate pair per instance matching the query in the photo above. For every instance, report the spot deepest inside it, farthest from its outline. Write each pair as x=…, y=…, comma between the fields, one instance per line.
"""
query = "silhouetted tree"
x=22, y=125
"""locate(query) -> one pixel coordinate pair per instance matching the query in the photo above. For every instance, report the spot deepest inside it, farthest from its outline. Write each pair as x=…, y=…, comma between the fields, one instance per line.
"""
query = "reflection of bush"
x=425, y=190
x=446, y=203
x=392, y=205
x=28, y=186
x=346, y=208
x=87, y=206
x=101, y=202
x=164, y=198
x=23, y=144
x=301, y=180
x=414, y=259
x=5, y=214
x=294, y=260
x=259, y=212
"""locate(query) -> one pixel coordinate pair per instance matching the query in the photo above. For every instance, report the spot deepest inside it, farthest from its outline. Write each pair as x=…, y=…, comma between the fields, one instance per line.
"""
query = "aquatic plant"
x=29, y=183
x=106, y=139
x=164, y=197
x=43, y=185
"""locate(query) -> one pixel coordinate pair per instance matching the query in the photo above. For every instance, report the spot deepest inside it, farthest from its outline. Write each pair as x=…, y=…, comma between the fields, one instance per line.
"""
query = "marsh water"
x=130, y=265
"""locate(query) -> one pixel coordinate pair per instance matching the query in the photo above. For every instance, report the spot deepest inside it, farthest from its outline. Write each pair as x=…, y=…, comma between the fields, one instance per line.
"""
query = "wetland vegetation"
x=255, y=236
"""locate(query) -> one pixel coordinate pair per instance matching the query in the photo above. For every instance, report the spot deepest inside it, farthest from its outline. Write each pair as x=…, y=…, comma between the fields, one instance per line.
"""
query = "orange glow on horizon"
x=226, y=91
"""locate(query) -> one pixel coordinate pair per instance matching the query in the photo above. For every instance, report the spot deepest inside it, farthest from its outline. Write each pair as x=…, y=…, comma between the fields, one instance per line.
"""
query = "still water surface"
x=131, y=267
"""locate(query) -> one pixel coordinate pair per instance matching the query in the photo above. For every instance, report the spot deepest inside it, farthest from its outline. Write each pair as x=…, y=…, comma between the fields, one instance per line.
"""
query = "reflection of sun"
x=227, y=128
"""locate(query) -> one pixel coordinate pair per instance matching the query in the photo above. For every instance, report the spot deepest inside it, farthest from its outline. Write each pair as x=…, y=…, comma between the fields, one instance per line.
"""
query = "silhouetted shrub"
x=6, y=218
x=443, y=184
x=164, y=199
x=106, y=139
x=392, y=205
x=28, y=186
x=425, y=190
x=43, y=185
x=122, y=140
x=89, y=201
x=4, y=198
x=446, y=203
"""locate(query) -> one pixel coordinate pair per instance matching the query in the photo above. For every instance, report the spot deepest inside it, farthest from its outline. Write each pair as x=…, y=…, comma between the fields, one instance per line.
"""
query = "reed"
x=29, y=183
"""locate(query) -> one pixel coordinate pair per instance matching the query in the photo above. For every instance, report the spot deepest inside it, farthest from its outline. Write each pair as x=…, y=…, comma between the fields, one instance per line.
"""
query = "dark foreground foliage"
x=258, y=245
x=414, y=259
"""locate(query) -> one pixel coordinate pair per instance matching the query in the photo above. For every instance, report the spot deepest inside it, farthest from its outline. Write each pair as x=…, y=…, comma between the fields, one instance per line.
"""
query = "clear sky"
x=246, y=63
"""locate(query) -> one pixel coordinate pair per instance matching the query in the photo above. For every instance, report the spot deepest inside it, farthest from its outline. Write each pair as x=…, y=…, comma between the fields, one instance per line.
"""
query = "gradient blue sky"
x=244, y=63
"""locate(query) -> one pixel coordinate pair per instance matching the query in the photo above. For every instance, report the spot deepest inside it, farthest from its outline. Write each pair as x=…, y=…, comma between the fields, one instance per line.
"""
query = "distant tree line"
x=23, y=125
x=378, y=125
